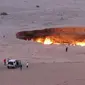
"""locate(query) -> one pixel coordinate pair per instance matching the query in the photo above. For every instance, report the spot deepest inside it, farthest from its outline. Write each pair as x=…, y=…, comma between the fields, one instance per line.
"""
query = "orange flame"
x=53, y=40
x=48, y=41
x=80, y=43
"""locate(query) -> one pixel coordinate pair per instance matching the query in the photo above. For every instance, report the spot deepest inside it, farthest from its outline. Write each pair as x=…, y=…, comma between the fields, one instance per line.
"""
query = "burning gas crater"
x=65, y=35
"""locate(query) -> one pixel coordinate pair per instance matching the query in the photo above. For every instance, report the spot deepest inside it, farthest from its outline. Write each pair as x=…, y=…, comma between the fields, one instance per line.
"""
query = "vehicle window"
x=11, y=63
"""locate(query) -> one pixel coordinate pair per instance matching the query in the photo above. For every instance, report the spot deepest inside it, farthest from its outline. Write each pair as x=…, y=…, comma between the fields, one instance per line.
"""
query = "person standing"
x=8, y=59
x=66, y=49
x=5, y=61
x=27, y=65
x=21, y=67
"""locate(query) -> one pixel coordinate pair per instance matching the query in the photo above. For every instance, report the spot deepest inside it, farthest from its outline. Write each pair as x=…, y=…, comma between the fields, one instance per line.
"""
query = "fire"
x=48, y=41
x=80, y=43
x=39, y=40
x=53, y=40
x=62, y=35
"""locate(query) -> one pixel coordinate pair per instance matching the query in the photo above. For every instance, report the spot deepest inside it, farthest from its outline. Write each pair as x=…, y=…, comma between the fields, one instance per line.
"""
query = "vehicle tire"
x=8, y=67
x=14, y=67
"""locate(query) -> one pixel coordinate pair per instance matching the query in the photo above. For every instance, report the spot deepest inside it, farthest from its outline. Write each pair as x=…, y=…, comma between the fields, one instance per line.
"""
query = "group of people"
x=26, y=66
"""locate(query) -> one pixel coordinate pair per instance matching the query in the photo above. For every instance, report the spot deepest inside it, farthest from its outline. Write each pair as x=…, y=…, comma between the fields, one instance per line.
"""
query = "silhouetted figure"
x=27, y=65
x=66, y=49
x=4, y=61
x=20, y=67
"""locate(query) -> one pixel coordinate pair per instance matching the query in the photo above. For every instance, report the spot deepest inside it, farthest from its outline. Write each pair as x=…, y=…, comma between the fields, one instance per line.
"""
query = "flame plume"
x=64, y=35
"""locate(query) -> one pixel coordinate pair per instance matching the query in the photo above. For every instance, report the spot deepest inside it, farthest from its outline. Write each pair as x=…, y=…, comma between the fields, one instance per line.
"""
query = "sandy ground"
x=49, y=64
x=45, y=74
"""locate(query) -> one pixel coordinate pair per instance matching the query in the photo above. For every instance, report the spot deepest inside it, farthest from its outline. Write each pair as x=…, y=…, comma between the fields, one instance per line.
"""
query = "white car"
x=13, y=63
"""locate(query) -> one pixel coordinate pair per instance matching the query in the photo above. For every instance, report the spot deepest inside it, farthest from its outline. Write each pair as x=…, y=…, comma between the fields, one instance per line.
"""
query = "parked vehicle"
x=13, y=63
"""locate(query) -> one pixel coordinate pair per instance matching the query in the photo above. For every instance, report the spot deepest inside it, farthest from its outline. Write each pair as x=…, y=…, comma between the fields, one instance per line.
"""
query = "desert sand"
x=49, y=64
x=45, y=74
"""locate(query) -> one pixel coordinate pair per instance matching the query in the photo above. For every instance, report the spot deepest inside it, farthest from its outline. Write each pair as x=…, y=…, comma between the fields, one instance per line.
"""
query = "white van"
x=13, y=63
